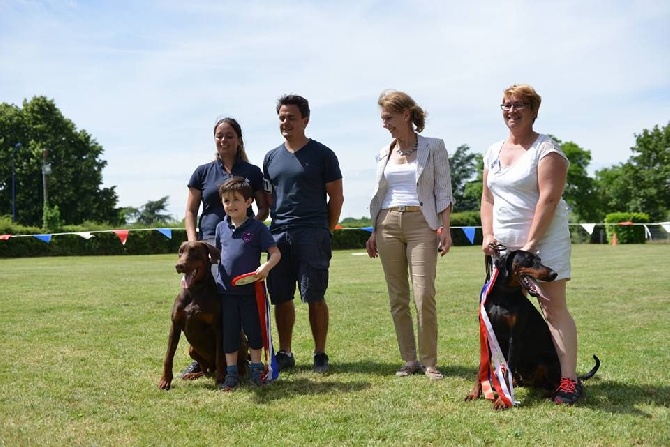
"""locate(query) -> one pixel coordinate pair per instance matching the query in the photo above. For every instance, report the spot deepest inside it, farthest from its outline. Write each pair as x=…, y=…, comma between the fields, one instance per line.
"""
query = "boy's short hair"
x=236, y=184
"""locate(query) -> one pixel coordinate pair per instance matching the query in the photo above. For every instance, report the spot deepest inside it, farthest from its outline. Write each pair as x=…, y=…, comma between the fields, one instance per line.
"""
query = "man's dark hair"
x=295, y=100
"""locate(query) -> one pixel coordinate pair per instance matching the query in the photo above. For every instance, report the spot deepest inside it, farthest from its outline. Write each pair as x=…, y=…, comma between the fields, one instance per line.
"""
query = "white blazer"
x=433, y=180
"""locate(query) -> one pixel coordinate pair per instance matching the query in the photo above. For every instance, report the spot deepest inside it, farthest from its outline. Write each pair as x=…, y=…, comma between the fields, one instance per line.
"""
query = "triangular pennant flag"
x=123, y=235
x=165, y=232
x=84, y=234
x=368, y=229
x=43, y=237
x=666, y=227
x=470, y=233
x=647, y=232
x=5, y=237
x=588, y=227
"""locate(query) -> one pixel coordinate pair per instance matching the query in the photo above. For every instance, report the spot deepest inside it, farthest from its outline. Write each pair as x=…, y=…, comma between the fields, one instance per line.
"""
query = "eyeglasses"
x=507, y=106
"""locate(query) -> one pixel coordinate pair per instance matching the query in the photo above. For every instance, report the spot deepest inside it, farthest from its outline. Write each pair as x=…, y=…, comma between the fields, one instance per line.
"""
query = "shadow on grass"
x=625, y=398
x=300, y=381
x=386, y=369
x=611, y=397
x=287, y=389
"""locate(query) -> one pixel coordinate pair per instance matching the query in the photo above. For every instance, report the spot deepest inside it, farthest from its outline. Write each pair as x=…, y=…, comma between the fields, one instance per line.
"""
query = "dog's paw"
x=500, y=404
x=192, y=376
x=475, y=393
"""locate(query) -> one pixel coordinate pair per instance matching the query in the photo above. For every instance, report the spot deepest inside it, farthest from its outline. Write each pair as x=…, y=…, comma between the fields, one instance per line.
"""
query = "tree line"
x=38, y=144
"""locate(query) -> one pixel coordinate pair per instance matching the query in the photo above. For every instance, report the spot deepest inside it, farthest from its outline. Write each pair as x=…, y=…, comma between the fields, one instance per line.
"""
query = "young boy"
x=241, y=240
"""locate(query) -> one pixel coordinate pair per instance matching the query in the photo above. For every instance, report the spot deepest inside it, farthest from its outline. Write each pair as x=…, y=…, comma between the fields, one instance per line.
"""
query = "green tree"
x=642, y=184
x=580, y=187
x=153, y=212
x=613, y=189
x=650, y=168
x=129, y=214
x=43, y=134
x=465, y=169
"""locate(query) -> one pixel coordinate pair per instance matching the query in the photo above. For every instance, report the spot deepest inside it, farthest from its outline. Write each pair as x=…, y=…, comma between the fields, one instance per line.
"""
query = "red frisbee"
x=247, y=278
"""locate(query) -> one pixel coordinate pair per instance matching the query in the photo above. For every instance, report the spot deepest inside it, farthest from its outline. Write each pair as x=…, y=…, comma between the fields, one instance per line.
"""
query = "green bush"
x=466, y=219
x=350, y=238
x=51, y=219
x=621, y=224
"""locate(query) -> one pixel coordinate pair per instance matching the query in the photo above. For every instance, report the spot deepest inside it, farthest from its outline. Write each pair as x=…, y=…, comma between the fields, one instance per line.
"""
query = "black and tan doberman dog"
x=521, y=331
x=197, y=313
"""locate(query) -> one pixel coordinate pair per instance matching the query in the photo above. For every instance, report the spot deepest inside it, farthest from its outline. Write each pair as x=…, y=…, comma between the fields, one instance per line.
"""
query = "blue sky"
x=148, y=78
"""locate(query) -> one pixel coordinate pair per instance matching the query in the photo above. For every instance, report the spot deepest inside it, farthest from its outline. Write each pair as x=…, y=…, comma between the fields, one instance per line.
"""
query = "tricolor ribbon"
x=490, y=349
x=271, y=365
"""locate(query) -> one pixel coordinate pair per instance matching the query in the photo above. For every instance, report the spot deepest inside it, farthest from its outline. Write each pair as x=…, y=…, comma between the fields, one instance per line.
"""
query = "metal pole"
x=16, y=147
x=45, y=167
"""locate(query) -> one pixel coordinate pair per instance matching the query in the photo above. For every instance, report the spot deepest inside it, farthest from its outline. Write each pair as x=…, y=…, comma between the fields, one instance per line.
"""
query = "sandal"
x=433, y=373
x=408, y=369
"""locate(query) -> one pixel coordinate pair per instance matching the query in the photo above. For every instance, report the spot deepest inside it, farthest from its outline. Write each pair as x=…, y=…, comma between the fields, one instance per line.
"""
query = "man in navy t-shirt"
x=303, y=183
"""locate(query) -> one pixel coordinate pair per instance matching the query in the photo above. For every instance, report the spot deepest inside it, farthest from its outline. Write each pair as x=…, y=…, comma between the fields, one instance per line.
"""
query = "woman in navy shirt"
x=203, y=187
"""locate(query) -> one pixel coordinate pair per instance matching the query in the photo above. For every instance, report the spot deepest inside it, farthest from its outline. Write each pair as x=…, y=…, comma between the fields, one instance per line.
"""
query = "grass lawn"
x=82, y=341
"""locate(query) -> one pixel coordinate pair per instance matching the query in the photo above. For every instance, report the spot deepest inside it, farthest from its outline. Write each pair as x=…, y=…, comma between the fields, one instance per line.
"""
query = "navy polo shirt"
x=241, y=250
x=207, y=178
x=297, y=182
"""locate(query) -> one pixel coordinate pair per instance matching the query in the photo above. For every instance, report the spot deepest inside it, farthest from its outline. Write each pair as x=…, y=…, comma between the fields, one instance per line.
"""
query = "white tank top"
x=401, y=180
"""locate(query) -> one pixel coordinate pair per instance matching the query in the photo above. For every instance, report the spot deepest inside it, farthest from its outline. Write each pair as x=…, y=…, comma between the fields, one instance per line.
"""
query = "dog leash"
x=271, y=365
x=489, y=348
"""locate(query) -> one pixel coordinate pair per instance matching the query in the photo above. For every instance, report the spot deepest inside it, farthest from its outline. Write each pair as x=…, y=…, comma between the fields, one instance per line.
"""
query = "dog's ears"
x=501, y=263
x=214, y=253
x=505, y=261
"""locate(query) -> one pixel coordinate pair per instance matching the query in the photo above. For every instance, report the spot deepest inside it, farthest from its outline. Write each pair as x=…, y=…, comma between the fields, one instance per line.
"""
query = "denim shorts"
x=305, y=258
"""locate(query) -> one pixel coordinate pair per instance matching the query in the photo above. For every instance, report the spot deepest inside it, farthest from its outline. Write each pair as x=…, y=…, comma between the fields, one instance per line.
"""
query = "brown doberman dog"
x=521, y=331
x=197, y=313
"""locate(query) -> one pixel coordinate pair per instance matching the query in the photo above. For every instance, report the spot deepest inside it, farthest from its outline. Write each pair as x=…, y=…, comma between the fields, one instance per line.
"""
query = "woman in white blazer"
x=412, y=200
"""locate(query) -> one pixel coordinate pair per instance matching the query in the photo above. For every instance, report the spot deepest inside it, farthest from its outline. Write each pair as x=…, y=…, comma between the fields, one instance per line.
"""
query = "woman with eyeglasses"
x=203, y=189
x=522, y=208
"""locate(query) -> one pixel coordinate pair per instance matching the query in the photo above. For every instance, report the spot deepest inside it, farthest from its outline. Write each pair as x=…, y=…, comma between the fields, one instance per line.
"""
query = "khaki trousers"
x=405, y=241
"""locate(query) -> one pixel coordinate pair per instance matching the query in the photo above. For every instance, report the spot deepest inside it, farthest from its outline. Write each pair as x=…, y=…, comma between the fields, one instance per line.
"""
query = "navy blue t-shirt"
x=241, y=250
x=207, y=178
x=297, y=182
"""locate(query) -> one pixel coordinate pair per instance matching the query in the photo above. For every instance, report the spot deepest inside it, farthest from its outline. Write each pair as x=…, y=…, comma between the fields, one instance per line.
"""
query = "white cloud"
x=147, y=79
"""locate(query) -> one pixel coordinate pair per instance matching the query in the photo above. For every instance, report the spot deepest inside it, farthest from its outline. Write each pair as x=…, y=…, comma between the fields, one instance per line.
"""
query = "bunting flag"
x=165, y=232
x=85, y=234
x=498, y=373
x=368, y=229
x=666, y=226
x=647, y=232
x=123, y=235
x=43, y=237
x=263, y=304
x=470, y=233
x=5, y=237
x=588, y=227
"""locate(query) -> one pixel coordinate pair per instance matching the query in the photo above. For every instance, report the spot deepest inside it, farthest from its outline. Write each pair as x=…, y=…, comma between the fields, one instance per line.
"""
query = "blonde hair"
x=526, y=92
x=398, y=102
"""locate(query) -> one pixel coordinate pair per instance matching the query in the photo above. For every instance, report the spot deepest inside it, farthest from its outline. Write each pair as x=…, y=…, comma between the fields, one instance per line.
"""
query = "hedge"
x=621, y=224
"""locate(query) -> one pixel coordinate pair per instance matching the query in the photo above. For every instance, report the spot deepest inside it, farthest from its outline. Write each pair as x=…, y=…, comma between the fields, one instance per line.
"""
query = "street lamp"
x=16, y=148
x=46, y=170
